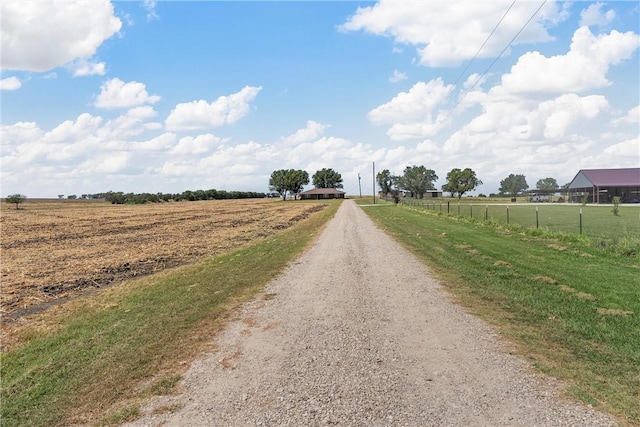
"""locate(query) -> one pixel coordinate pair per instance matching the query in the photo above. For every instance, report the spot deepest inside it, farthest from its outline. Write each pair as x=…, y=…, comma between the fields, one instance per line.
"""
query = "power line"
x=485, y=42
x=499, y=55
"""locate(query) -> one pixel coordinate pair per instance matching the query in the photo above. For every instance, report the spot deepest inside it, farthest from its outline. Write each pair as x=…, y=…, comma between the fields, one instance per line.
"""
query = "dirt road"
x=356, y=333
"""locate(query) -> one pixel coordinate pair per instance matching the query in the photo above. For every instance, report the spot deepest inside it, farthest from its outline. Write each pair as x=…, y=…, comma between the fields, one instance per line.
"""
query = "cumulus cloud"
x=412, y=112
x=447, y=33
x=593, y=15
x=202, y=114
x=41, y=35
x=584, y=67
x=115, y=93
x=10, y=83
x=312, y=131
x=83, y=67
x=197, y=145
x=632, y=116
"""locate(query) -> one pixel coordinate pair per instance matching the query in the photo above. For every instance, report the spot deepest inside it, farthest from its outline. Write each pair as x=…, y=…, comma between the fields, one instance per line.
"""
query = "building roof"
x=323, y=191
x=606, y=178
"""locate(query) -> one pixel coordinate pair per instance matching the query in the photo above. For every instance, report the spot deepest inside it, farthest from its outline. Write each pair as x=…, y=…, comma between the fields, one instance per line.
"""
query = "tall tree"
x=290, y=181
x=16, y=199
x=385, y=181
x=513, y=185
x=461, y=181
x=417, y=180
x=547, y=184
x=327, y=178
x=298, y=179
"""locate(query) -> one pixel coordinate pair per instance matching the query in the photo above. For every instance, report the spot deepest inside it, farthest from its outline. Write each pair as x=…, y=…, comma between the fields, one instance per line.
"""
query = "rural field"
x=597, y=220
x=53, y=250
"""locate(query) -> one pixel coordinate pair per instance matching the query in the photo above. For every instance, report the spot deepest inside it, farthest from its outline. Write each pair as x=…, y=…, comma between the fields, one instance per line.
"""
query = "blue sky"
x=167, y=96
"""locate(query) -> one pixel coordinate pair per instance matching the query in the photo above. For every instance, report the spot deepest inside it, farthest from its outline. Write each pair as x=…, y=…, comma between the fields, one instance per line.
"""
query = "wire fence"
x=590, y=220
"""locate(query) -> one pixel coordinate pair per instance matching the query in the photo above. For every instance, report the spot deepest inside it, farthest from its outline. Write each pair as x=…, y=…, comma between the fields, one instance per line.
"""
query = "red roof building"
x=322, y=193
x=602, y=185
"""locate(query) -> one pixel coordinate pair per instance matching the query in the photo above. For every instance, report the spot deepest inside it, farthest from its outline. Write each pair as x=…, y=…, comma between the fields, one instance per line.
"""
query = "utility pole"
x=374, y=183
x=359, y=186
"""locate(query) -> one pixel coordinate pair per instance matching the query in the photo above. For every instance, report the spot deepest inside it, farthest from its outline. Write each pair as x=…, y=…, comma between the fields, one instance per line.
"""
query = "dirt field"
x=53, y=250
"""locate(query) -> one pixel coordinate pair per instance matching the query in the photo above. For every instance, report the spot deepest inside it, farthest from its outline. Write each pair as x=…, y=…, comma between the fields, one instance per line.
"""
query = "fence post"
x=580, y=220
x=537, y=223
x=458, y=209
x=486, y=213
x=507, y=214
x=471, y=210
x=448, y=208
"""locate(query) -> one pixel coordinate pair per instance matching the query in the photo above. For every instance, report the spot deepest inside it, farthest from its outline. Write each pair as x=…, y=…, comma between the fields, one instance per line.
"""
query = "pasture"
x=566, y=305
x=597, y=220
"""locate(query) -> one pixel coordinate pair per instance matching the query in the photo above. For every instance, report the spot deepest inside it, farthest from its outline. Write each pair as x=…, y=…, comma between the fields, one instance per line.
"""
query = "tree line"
x=140, y=198
x=418, y=180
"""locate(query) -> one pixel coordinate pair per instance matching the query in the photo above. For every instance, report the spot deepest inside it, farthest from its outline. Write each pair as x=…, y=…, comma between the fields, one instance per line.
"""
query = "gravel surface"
x=357, y=333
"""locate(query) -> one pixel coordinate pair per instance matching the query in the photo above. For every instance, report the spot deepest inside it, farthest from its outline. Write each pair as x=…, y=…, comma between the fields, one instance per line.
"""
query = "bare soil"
x=357, y=333
x=56, y=250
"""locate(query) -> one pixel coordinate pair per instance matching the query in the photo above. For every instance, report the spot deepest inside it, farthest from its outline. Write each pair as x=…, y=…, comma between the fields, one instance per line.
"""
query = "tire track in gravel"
x=357, y=333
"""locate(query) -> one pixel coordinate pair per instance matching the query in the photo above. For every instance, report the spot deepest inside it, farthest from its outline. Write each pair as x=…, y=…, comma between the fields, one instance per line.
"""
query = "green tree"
x=386, y=181
x=16, y=199
x=547, y=184
x=461, y=181
x=513, y=185
x=327, y=178
x=298, y=180
x=290, y=181
x=417, y=180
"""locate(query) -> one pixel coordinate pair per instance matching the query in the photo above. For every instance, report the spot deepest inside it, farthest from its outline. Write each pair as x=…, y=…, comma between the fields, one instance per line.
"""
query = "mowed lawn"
x=570, y=308
x=597, y=220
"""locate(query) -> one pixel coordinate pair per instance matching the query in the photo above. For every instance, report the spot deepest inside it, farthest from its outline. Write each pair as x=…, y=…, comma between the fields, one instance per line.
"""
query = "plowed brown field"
x=53, y=250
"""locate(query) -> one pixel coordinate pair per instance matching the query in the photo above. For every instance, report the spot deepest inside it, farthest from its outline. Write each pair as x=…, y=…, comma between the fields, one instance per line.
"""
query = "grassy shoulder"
x=568, y=306
x=92, y=362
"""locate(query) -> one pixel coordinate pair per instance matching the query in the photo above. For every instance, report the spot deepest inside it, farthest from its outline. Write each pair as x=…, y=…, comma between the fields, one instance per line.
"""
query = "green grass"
x=548, y=296
x=597, y=221
x=90, y=362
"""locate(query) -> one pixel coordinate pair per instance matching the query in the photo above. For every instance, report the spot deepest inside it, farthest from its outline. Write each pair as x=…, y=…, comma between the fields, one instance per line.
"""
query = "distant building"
x=602, y=185
x=322, y=194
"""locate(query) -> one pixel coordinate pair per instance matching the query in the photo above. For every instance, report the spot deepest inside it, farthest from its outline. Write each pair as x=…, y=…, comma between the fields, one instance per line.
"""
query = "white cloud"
x=447, y=33
x=632, y=116
x=412, y=113
x=150, y=7
x=10, y=83
x=198, y=145
x=63, y=31
x=561, y=114
x=115, y=93
x=312, y=131
x=584, y=67
x=593, y=15
x=397, y=76
x=202, y=114
x=83, y=67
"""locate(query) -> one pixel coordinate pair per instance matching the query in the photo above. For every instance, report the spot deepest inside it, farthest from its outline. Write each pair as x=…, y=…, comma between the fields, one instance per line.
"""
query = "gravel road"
x=356, y=333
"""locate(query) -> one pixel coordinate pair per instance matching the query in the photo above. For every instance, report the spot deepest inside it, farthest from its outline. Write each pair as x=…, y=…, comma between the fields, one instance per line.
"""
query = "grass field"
x=569, y=307
x=92, y=360
x=597, y=220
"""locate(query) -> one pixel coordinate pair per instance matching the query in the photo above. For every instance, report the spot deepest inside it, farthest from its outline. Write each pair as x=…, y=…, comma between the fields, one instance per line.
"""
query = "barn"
x=322, y=193
x=602, y=185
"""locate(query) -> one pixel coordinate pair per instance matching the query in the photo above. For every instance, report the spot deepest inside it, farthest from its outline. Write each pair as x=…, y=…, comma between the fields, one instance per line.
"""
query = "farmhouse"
x=322, y=193
x=602, y=185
